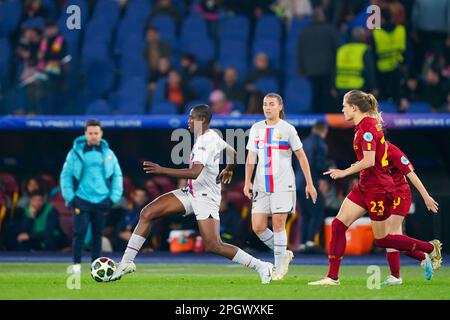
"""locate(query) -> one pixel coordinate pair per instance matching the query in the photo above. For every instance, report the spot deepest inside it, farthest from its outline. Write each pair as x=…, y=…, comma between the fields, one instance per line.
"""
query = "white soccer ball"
x=102, y=269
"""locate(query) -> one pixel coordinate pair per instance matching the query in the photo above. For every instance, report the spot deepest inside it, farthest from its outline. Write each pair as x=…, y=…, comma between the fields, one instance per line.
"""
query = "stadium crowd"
x=163, y=56
x=34, y=215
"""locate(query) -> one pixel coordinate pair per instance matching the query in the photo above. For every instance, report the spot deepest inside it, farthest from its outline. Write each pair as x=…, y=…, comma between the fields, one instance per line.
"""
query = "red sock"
x=404, y=243
x=418, y=255
x=393, y=259
x=337, y=247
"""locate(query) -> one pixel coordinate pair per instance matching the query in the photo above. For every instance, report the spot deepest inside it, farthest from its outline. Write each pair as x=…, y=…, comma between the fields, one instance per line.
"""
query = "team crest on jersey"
x=368, y=136
x=260, y=144
x=404, y=160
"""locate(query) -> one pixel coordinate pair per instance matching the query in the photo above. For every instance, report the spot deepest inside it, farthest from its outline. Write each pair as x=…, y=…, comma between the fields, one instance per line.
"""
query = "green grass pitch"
x=213, y=281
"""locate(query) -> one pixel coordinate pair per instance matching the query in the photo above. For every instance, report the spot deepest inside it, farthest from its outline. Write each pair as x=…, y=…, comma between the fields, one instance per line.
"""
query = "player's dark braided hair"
x=203, y=111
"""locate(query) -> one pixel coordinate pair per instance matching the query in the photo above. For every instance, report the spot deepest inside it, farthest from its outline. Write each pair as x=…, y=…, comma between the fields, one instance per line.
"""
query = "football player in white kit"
x=272, y=142
x=201, y=197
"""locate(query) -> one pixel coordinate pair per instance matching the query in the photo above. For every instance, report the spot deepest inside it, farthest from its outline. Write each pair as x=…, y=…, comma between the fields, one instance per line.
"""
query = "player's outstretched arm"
x=366, y=162
x=227, y=174
x=431, y=204
x=190, y=173
x=250, y=164
x=304, y=164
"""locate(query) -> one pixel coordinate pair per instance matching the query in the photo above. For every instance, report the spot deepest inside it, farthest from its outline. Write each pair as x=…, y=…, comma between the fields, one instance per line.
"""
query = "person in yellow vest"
x=390, y=46
x=355, y=66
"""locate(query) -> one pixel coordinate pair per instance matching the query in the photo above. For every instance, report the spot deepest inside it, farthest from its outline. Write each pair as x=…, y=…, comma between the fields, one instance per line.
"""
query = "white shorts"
x=276, y=202
x=202, y=206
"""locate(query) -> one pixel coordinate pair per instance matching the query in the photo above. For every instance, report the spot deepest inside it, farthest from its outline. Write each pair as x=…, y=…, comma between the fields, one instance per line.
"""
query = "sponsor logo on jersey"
x=368, y=136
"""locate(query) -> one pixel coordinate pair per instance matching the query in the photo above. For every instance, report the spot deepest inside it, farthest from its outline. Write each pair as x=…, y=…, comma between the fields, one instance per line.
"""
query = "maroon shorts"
x=401, y=205
x=378, y=205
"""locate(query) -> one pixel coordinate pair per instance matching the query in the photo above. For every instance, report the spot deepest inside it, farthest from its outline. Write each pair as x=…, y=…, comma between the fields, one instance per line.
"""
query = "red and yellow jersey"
x=369, y=136
x=399, y=166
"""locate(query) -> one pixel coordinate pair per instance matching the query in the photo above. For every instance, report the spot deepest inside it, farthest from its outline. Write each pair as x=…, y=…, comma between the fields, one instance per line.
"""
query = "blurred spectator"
x=290, y=9
x=30, y=185
x=355, y=66
x=261, y=69
x=163, y=70
x=131, y=217
x=151, y=189
x=40, y=229
x=411, y=91
x=31, y=80
x=351, y=183
x=155, y=49
x=52, y=56
x=255, y=103
x=209, y=11
x=331, y=201
x=316, y=50
x=178, y=91
x=33, y=9
x=231, y=86
x=231, y=224
x=220, y=103
x=436, y=89
x=396, y=8
x=190, y=67
x=389, y=45
x=312, y=214
x=165, y=8
x=431, y=26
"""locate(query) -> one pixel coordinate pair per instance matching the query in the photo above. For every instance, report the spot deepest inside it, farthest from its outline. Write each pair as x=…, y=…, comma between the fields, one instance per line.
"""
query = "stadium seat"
x=290, y=48
x=388, y=107
x=108, y=9
x=419, y=107
x=167, y=29
x=266, y=85
x=5, y=48
x=298, y=96
x=268, y=26
x=132, y=96
x=10, y=15
x=202, y=49
x=239, y=106
x=164, y=108
x=134, y=65
x=194, y=27
x=159, y=95
x=202, y=87
x=99, y=107
x=127, y=27
x=235, y=28
x=100, y=75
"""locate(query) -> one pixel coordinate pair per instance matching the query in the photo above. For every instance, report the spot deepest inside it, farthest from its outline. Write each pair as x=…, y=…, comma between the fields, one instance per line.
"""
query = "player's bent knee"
x=147, y=214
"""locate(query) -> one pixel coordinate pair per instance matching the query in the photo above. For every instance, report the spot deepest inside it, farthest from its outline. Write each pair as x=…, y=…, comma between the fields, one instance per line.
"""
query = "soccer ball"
x=102, y=269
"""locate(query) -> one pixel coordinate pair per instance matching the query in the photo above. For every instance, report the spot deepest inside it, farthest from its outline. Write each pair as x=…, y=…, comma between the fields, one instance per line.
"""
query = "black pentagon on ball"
x=110, y=263
x=97, y=265
x=98, y=279
x=103, y=260
x=101, y=273
x=109, y=272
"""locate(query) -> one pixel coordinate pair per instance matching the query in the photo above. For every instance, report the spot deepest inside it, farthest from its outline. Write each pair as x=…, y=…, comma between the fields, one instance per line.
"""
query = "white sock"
x=280, y=244
x=267, y=237
x=247, y=260
x=133, y=247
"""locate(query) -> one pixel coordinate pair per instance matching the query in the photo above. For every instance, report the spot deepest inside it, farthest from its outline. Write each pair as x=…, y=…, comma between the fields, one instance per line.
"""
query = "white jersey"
x=207, y=150
x=274, y=145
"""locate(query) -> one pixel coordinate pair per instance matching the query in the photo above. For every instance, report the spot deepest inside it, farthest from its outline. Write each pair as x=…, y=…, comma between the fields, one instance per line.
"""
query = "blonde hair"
x=280, y=101
x=366, y=102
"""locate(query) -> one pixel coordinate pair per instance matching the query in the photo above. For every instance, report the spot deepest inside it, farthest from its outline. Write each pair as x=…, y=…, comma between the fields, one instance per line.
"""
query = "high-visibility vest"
x=389, y=47
x=350, y=66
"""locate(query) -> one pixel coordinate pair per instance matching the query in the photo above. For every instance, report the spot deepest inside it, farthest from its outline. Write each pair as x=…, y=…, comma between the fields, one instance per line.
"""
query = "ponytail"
x=373, y=110
x=366, y=102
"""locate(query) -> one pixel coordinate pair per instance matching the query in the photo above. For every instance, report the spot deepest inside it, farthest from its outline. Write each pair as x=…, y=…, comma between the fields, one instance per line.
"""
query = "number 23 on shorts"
x=375, y=205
